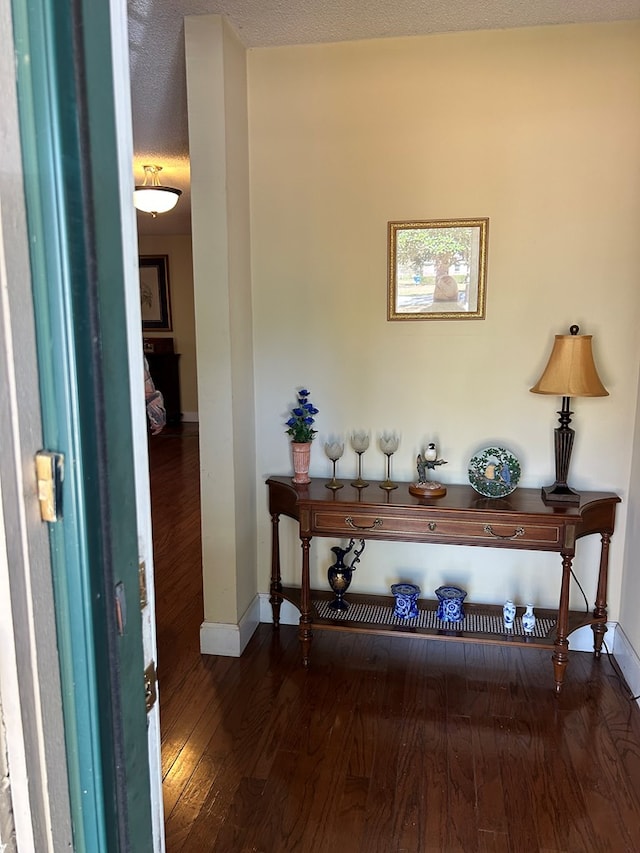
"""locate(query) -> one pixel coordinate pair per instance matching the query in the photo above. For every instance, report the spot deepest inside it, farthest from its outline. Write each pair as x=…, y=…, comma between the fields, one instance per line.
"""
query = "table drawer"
x=380, y=525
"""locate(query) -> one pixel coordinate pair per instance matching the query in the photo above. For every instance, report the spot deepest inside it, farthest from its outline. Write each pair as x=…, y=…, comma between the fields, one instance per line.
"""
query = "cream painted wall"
x=178, y=249
x=631, y=581
x=536, y=129
x=217, y=95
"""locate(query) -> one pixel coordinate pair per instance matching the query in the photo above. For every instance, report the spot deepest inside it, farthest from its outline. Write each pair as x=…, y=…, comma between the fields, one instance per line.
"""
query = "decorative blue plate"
x=494, y=472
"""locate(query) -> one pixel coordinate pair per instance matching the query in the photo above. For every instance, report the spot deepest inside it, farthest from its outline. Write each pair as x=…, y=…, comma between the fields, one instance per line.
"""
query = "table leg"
x=600, y=610
x=560, y=656
x=275, y=590
x=304, y=630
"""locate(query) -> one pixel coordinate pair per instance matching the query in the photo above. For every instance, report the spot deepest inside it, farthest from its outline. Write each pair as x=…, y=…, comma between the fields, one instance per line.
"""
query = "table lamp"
x=570, y=372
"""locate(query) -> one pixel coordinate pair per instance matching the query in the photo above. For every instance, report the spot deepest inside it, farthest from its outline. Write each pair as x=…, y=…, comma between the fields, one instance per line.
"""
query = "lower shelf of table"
x=482, y=624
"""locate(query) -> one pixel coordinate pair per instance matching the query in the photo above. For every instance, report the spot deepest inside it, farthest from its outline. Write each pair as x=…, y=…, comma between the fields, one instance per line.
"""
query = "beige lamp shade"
x=571, y=371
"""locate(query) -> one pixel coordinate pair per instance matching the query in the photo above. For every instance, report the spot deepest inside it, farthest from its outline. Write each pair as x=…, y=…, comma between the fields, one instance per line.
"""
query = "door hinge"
x=150, y=686
x=142, y=579
x=49, y=476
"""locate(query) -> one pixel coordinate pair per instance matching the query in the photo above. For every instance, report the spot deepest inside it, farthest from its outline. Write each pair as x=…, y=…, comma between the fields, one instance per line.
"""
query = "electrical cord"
x=586, y=600
x=618, y=672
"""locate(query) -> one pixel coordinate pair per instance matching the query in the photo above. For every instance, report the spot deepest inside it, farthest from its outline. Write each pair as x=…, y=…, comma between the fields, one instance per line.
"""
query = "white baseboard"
x=628, y=661
x=221, y=638
x=190, y=417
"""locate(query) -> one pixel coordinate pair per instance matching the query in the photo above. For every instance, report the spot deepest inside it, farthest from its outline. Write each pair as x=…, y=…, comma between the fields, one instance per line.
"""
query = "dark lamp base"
x=560, y=494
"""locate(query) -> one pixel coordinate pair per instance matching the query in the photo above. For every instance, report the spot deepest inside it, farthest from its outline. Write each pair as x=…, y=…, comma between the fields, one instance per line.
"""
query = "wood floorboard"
x=490, y=796
x=384, y=720
x=512, y=737
x=318, y=764
x=350, y=815
x=385, y=744
x=462, y=834
x=493, y=842
x=196, y=708
x=408, y=826
x=186, y=749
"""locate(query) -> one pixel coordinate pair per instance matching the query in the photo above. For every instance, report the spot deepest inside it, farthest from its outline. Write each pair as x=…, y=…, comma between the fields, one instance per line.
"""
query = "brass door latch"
x=142, y=581
x=150, y=686
x=49, y=475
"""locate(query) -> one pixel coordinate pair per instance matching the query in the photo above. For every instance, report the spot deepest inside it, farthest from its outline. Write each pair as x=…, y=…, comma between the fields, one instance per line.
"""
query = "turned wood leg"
x=560, y=656
x=304, y=630
x=600, y=610
x=275, y=589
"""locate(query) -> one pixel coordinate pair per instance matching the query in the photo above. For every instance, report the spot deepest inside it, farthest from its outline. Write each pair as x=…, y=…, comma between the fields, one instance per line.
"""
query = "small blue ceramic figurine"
x=509, y=614
x=529, y=620
x=406, y=595
x=450, y=600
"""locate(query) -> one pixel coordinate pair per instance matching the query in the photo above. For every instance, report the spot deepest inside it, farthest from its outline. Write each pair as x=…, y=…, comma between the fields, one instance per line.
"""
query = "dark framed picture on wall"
x=155, y=299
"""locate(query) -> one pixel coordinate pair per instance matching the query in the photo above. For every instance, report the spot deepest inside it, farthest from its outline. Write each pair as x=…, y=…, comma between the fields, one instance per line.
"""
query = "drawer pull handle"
x=432, y=526
x=519, y=531
x=351, y=523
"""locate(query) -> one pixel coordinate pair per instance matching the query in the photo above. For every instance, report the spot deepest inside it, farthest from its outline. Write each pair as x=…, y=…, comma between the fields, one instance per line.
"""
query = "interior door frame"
x=75, y=125
x=34, y=807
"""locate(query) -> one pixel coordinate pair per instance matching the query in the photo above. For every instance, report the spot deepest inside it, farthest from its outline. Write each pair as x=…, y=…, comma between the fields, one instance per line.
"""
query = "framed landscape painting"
x=437, y=269
x=155, y=301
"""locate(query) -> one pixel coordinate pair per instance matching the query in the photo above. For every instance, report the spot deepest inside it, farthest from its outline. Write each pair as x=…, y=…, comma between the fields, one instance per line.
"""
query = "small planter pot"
x=301, y=455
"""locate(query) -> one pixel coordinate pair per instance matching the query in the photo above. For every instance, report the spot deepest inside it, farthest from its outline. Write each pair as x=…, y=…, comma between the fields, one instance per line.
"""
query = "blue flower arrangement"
x=301, y=421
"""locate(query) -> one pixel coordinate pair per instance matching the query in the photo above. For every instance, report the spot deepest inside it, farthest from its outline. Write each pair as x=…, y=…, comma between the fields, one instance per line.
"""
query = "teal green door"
x=69, y=152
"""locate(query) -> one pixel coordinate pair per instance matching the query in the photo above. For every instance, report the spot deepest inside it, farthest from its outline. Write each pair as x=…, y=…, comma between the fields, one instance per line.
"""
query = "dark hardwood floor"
x=386, y=744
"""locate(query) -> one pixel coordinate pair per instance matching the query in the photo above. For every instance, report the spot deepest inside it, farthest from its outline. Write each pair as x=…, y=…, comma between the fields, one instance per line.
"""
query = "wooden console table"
x=462, y=517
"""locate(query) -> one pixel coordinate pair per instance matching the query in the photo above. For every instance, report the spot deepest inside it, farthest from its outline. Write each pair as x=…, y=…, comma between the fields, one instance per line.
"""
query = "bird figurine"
x=430, y=459
x=428, y=462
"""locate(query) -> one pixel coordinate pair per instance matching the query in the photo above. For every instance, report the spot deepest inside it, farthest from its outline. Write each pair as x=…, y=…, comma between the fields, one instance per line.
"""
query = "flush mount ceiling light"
x=151, y=197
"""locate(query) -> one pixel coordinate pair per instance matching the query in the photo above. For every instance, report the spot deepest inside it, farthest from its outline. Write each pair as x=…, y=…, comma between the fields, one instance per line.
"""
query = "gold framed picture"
x=437, y=269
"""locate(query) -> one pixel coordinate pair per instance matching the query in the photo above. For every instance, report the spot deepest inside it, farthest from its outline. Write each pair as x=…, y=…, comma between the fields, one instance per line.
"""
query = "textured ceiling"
x=156, y=43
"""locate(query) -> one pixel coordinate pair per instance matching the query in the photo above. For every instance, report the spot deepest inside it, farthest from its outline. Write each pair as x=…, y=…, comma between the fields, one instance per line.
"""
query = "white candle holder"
x=334, y=450
x=388, y=444
x=360, y=442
